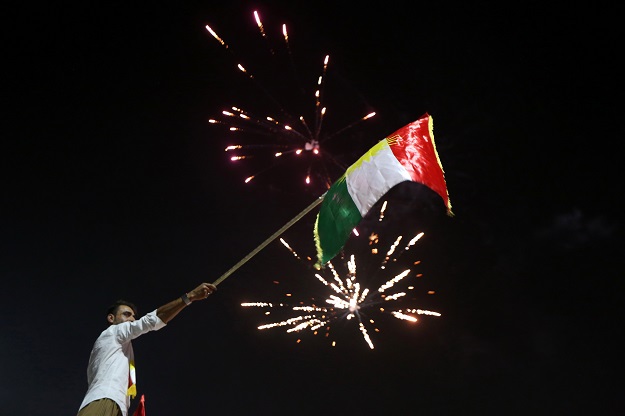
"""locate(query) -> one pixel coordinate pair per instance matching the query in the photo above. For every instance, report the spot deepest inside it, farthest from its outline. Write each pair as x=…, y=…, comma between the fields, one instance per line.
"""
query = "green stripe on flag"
x=337, y=218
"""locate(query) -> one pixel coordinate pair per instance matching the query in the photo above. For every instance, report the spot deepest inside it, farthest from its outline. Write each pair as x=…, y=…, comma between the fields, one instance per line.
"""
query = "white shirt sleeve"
x=127, y=331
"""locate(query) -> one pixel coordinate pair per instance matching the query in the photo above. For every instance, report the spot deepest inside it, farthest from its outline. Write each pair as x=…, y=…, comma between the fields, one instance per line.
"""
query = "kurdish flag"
x=409, y=154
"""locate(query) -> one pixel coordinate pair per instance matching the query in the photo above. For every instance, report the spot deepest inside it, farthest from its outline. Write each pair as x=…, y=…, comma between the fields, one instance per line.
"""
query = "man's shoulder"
x=107, y=333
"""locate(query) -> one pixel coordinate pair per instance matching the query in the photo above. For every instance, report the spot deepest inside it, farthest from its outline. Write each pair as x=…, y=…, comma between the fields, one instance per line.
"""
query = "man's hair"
x=115, y=306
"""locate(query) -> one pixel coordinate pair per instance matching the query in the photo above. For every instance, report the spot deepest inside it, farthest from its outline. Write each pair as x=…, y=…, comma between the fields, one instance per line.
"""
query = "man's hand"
x=201, y=292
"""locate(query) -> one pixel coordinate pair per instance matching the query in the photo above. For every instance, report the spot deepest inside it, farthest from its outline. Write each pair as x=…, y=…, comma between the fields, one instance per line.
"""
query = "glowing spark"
x=413, y=241
x=351, y=265
x=258, y=304
x=373, y=239
x=400, y=315
x=394, y=280
x=289, y=247
x=212, y=32
x=382, y=211
x=395, y=296
x=391, y=251
x=259, y=23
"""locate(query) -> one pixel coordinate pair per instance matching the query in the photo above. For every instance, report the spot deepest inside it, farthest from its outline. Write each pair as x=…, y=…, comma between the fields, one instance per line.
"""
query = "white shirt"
x=109, y=363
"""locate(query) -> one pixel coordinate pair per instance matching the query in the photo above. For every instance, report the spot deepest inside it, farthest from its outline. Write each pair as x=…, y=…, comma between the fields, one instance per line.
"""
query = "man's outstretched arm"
x=169, y=311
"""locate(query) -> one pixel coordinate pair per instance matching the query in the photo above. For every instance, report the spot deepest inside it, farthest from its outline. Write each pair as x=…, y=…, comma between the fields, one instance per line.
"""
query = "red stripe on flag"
x=414, y=148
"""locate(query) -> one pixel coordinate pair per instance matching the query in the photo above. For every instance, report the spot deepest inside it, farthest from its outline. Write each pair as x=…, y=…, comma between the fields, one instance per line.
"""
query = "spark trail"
x=266, y=140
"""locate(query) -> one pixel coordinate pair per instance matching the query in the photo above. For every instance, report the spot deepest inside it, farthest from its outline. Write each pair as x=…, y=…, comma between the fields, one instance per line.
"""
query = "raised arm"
x=169, y=311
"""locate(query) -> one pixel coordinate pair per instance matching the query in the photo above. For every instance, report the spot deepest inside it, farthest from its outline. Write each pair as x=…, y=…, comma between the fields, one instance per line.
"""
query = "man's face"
x=124, y=314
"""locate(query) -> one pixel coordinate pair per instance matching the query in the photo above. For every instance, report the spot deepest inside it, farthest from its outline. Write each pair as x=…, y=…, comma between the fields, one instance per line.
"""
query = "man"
x=111, y=371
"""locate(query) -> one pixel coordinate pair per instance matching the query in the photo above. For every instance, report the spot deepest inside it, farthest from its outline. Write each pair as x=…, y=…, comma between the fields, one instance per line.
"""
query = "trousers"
x=102, y=407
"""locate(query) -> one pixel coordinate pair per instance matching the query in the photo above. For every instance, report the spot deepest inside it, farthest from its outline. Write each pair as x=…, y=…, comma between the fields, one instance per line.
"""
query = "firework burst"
x=347, y=298
x=290, y=128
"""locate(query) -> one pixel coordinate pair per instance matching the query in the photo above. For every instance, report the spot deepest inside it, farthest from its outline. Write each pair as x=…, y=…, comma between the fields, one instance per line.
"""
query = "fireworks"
x=348, y=299
x=297, y=128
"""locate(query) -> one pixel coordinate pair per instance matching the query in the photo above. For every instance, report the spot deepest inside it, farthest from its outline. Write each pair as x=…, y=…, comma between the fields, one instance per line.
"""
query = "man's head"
x=121, y=311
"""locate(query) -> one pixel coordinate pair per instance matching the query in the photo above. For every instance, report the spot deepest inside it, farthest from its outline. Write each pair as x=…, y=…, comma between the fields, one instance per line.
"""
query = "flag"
x=409, y=154
x=132, y=380
x=140, y=410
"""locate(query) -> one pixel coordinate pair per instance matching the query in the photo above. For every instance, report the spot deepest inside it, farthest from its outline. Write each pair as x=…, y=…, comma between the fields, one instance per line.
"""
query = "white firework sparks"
x=347, y=299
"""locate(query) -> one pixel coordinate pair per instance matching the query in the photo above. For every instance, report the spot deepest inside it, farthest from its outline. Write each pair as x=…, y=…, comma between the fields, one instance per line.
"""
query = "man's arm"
x=169, y=311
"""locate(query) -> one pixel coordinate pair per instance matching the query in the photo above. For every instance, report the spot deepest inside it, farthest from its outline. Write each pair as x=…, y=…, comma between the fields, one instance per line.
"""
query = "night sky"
x=116, y=186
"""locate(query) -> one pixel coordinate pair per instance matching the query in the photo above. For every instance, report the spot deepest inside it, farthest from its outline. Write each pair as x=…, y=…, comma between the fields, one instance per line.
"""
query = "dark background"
x=116, y=186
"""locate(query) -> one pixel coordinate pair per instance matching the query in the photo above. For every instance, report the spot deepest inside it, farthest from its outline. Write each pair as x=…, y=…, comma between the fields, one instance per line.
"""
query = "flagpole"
x=269, y=240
